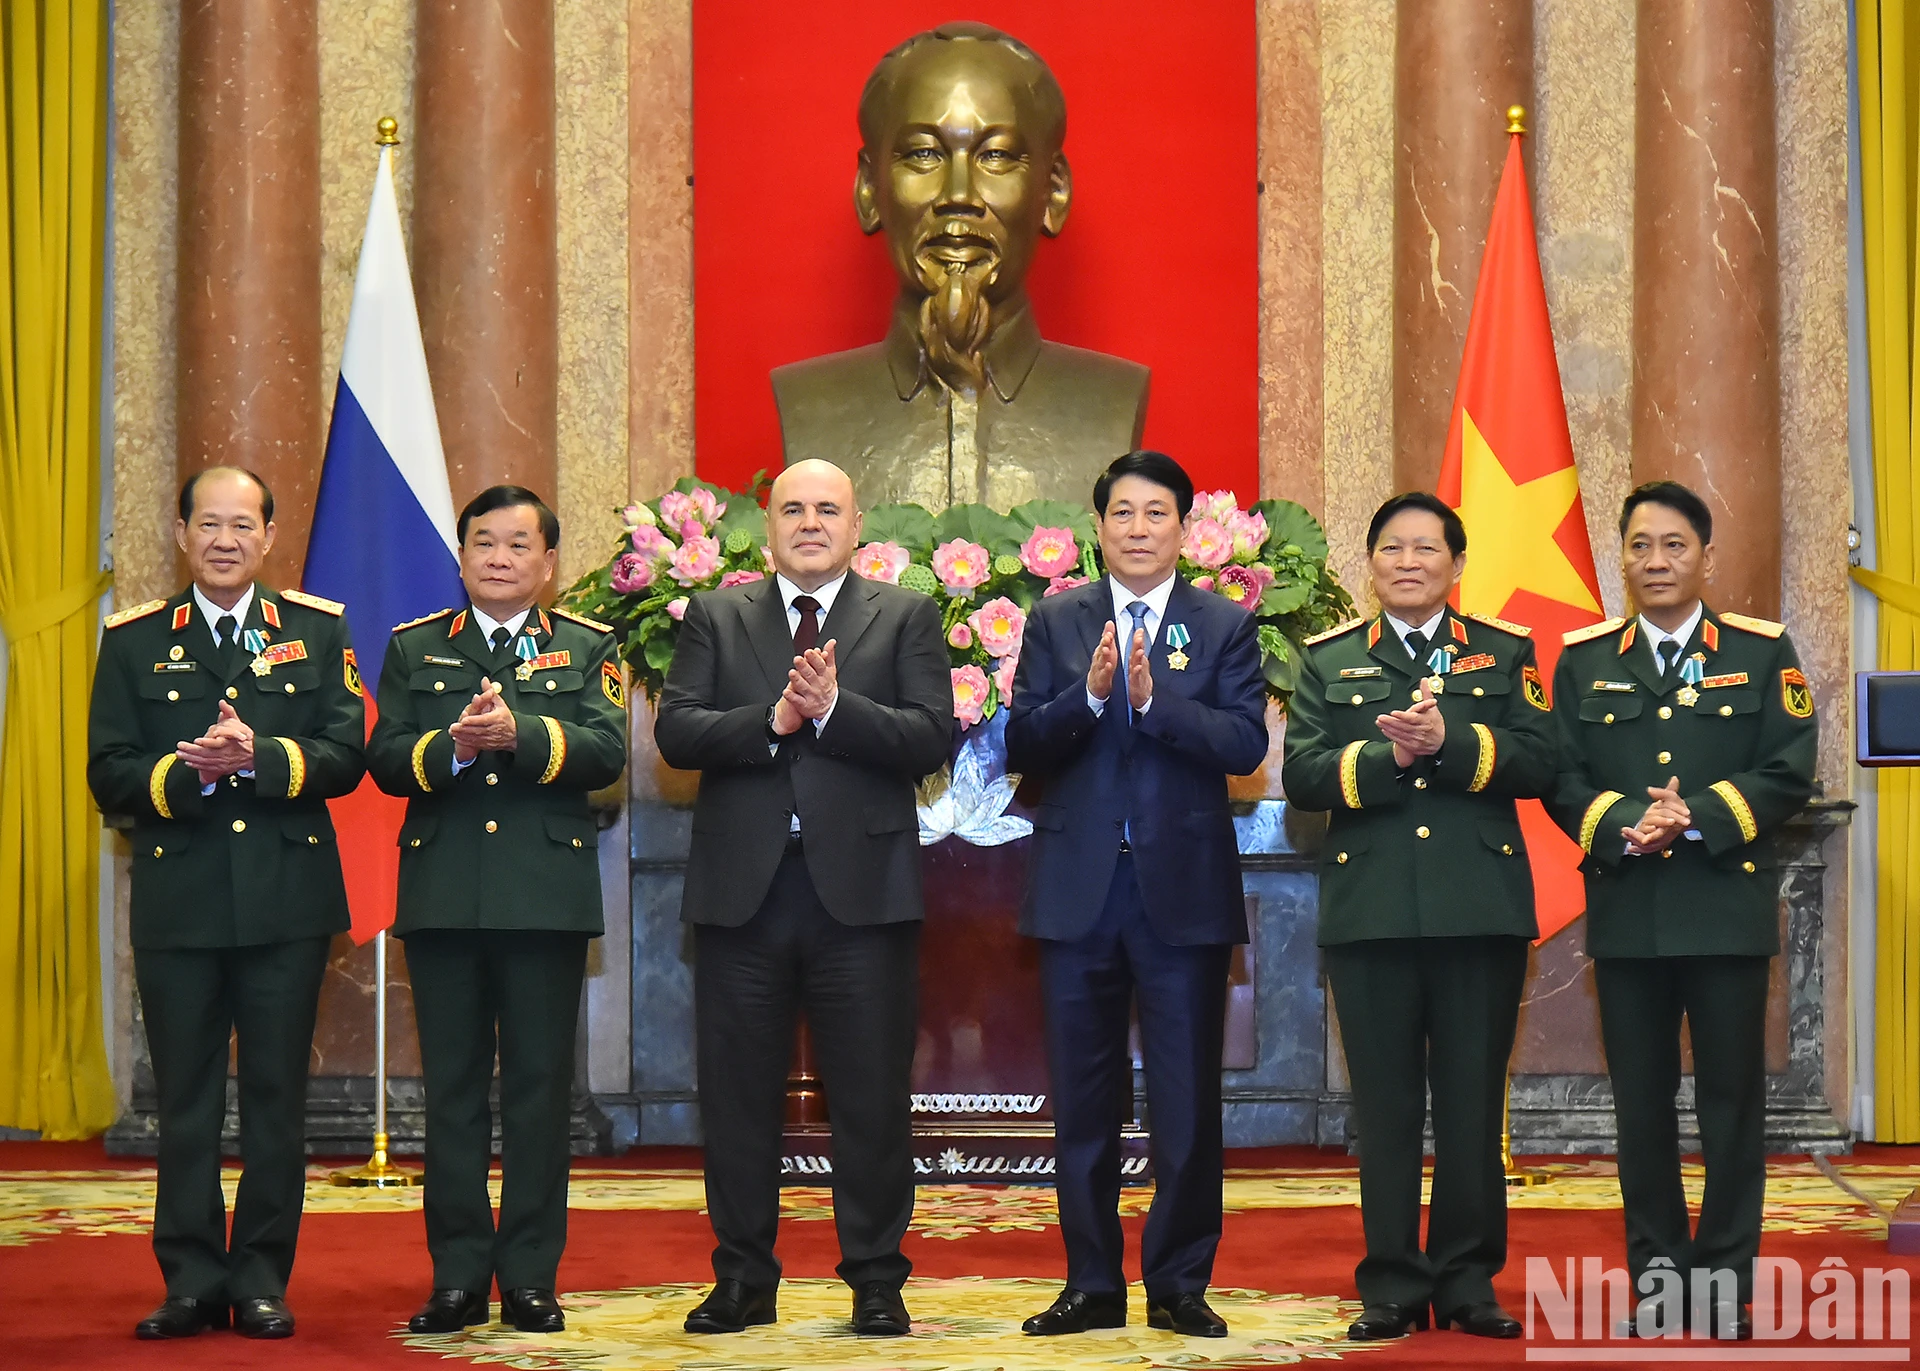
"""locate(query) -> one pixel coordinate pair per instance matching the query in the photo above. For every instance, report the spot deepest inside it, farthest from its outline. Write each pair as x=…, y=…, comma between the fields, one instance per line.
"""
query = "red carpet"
x=359, y=1275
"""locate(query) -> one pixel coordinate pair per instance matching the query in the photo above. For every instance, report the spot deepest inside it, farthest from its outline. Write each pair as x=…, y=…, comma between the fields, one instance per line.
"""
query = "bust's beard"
x=954, y=321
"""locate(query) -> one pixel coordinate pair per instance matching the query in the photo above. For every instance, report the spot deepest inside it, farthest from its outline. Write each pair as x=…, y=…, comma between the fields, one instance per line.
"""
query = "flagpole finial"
x=386, y=133
x=1516, y=118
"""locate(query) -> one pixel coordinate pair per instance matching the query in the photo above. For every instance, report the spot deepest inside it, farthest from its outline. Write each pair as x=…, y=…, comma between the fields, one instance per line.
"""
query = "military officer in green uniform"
x=496, y=721
x=222, y=721
x=1418, y=729
x=1688, y=740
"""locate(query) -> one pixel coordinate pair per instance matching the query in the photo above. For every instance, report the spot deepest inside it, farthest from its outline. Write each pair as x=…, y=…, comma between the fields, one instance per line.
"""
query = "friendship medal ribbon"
x=1177, y=639
x=254, y=640
x=525, y=649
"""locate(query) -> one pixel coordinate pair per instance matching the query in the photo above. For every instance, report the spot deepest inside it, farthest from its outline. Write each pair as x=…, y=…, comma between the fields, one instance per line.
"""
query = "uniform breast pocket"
x=573, y=834
x=559, y=689
x=1492, y=686
x=1609, y=709
x=296, y=681
x=174, y=687
x=1358, y=694
x=451, y=684
x=1727, y=704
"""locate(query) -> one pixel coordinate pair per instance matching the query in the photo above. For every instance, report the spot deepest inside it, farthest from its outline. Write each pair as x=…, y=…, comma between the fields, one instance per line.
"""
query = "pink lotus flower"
x=1208, y=543
x=1240, y=585
x=696, y=561
x=677, y=609
x=1264, y=574
x=1215, y=504
x=707, y=506
x=676, y=507
x=960, y=636
x=651, y=543
x=631, y=573
x=636, y=516
x=969, y=695
x=999, y=624
x=962, y=566
x=1050, y=552
x=881, y=562
x=1003, y=676
x=741, y=578
x=1248, y=531
x=1060, y=584
x=1203, y=583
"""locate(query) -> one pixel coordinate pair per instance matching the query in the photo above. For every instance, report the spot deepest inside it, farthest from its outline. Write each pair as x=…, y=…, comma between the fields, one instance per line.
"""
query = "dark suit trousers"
x=859, y=988
x=194, y=1001
x=1414, y=1012
x=1725, y=1003
x=1089, y=984
x=518, y=989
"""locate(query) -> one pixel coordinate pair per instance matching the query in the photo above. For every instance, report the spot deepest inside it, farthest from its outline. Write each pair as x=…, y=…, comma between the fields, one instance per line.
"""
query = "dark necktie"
x=1669, y=657
x=806, y=633
x=225, y=629
x=500, y=637
x=1138, y=609
x=1417, y=648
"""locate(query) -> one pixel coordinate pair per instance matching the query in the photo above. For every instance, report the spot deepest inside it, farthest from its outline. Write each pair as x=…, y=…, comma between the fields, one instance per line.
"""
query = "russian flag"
x=383, y=525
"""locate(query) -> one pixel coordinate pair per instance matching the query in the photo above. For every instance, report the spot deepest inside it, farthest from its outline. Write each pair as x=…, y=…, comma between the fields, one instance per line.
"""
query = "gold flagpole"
x=379, y=1172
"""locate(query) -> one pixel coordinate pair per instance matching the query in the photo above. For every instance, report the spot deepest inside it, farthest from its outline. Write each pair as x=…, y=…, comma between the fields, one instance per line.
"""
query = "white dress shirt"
x=1123, y=632
x=1431, y=628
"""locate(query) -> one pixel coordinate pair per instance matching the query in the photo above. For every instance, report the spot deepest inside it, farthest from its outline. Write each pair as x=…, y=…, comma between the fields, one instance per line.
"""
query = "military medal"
x=1692, y=672
x=1177, y=639
x=254, y=640
x=1687, y=696
x=524, y=649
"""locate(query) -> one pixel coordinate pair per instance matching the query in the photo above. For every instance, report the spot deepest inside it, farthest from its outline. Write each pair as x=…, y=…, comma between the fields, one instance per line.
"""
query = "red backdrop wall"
x=1159, y=261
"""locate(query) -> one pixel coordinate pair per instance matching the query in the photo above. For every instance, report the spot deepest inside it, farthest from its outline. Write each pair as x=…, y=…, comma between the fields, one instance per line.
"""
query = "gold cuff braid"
x=420, y=759
x=1350, y=774
x=556, y=749
x=296, y=767
x=1483, y=772
x=1596, y=811
x=1742, y=811
x=157, y=785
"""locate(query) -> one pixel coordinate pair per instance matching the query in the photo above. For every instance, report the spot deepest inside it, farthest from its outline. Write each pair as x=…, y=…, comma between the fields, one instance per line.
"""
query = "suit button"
x=1726, y=711
x=312, y=840
x=1422, y=832
x=1342, y=858
x=234, y=781
x=551, y=683
x=1358, y=698
x=1506, y=849
x=289, y=687
x=1747, y=867
x=161, y=851
x=1609, y=718
x=492, y=778
x=1479, y=690
x=1663, y=757
x=1419, y=782
x=1667, y=853
x=239, y=825
x=414, y=843
x=233, y=692
x=173, y=696
x=1666, y=711
x=439, y=686
x=492, y=827
x=576, y=842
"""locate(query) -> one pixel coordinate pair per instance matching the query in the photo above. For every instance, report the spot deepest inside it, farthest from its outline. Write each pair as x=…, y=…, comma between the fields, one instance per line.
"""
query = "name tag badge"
x=1617, y=687
x=432, y=660
x=1354, y=673
x=176, y=666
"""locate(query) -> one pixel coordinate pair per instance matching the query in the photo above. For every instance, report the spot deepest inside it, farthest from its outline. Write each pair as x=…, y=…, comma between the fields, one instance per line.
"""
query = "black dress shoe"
x=1484, y=1320
x=879, y=1312
x=1380, y=1321
x=449, y=1311
x=1187, y=1313
x=266, y=1316
x=1078, y=1310
x=733, y=1305
x=180, y=1317
x=532, y=1311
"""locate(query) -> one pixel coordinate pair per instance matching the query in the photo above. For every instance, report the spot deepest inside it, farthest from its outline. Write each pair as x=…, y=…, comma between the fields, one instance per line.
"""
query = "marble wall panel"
x=660, y=245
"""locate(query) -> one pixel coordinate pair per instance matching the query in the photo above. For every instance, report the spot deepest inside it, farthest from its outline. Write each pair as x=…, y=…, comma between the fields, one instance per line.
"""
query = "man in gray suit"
x=811, y=703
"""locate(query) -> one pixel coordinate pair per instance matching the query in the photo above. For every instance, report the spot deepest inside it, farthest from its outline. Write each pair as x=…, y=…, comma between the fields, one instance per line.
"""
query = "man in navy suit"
x=1135, y=889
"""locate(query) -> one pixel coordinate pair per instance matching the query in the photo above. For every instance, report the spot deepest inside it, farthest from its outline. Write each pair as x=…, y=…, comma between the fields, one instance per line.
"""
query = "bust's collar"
x=1012, y=349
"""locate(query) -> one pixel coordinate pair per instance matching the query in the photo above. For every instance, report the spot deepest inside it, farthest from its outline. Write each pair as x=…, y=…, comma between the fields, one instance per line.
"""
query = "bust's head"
x=961, y=162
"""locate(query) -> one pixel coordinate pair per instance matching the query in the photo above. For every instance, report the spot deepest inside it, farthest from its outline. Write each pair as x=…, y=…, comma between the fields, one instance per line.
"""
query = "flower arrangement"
x=985, y=569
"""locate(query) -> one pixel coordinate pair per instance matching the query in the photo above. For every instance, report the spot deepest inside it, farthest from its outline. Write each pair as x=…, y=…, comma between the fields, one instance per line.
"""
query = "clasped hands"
x=1106, y=661
x=812, y=686
x=222, y=750
x=1667, y=817
x=1420, y=730
x=485, y=725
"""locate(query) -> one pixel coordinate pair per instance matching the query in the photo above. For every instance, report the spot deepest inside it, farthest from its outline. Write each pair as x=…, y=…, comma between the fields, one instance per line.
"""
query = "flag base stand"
x=1518, y=1177
x=378, y=1172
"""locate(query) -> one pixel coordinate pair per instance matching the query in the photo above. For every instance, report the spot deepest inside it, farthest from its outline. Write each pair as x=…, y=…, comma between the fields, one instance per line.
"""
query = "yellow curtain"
x=53, y=99
x=1889, y=57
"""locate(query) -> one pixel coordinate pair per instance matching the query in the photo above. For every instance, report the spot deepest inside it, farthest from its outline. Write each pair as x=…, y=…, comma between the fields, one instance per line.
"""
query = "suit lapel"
x=853, y=610
x=765, y=617
x=1385, y=647
x=195, y=634
x=1639, y=661
x=1183, y=608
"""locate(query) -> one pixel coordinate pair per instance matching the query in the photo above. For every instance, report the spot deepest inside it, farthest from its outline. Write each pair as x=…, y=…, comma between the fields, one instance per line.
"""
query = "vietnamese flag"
x=1509, y=470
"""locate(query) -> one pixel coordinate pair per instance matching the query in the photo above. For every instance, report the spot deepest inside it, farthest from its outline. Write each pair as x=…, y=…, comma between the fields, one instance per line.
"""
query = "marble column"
x=484, y=237
x=1458, y=64
x=247, y=363
x=1706, y=287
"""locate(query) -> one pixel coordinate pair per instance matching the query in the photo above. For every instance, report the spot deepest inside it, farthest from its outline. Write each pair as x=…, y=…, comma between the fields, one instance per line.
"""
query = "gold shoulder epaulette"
x=1586, y=635
x=582, y=619
x=423, y=619
x=321, y=603
x=1505, y=626
x=1766, y=628
x=1334, y=632
x=127, y=616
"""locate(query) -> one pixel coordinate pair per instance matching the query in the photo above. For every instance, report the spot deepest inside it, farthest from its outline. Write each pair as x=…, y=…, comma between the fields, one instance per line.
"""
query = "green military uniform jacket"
x=509, y=842
x=1742, y=743
x=254, y=862
x=1435, y=850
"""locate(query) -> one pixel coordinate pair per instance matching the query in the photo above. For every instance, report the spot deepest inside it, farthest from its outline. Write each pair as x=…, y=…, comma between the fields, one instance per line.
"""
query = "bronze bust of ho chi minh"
x=961, y=166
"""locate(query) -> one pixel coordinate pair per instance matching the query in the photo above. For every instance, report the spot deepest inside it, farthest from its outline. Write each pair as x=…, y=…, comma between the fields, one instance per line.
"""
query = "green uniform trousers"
x=519, y=990
x=1414, y=1012
x=1725, y=1003
x=194, y=1001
